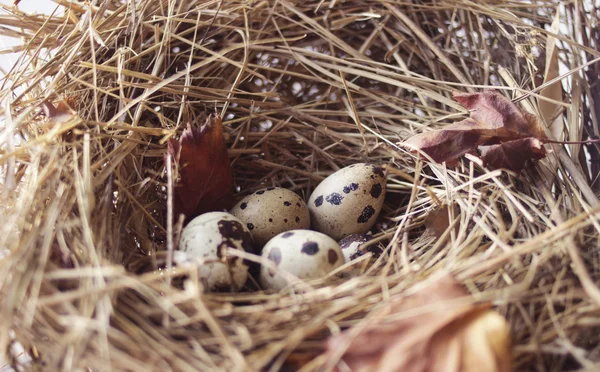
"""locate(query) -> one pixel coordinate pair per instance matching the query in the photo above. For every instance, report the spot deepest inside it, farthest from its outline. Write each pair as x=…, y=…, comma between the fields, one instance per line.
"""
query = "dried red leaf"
x=512, y=154
x=494, y=121
x=438, y=220
x=429, y=331
x=205, y=180
x=453, y=141
x=495, y=111
x=62, y=113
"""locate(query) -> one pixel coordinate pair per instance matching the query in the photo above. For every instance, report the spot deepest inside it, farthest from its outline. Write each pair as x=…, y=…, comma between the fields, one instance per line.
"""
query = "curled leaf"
x=512, y=154
x=453, y=141
x=496, y=126
x=205, y=180
x=495, y=111
x=435, y=329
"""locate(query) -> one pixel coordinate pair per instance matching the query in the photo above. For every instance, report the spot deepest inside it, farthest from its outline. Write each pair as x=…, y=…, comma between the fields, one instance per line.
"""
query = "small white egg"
x=271, y=211
x=348, y=201
x=205, y=240
x=303, y=254
x=353, y=246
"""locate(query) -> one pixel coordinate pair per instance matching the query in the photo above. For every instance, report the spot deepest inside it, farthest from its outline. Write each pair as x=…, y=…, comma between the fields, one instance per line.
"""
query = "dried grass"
x=305, y=87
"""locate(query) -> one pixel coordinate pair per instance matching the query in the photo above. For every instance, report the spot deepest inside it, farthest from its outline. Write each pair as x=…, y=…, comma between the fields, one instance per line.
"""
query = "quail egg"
x=348, y=201
x=271, y=211
x=205, y=240
x=303, y=254
x=353, y=246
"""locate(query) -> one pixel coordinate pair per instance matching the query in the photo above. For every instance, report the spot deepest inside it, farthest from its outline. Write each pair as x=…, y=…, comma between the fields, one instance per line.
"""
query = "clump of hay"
x=304, y=87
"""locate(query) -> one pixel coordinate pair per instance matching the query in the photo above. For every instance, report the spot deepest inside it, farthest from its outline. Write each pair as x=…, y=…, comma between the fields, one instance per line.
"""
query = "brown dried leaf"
x=438, y=220
x=495, y=111
x=453, y=141
x=429, y=331
x=205, y=179
x=495, y=120
x=512, y=154
x=62, y=113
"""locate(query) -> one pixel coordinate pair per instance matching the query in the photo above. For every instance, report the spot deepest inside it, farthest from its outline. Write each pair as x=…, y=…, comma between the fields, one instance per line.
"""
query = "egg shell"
x=271, y=211
x=348, y=201
x=205, y=240
x=304, y=254
x=353, y=246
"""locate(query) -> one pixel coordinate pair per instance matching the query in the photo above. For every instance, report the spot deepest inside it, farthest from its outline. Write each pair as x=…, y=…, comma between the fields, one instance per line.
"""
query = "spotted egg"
x=353, y=246
x=205, y=241
x=299, y=255
x=348, y=201
x=271, y=211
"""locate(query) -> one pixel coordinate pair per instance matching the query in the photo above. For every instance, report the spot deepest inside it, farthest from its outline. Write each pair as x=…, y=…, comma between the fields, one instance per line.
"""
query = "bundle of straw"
x=304, y=88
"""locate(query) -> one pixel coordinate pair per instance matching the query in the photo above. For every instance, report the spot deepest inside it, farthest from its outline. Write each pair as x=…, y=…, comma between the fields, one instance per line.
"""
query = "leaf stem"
x=572, y=142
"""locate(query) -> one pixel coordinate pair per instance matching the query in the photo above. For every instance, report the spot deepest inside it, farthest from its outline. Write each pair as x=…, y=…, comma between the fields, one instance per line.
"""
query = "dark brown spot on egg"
x=378, y=171
x=319, y=201
x=366, y=214
x=334, y=198
x=275, y=255
x=287, y=235
x=332, y=256
x=250, y=226
x=297, y=219
x=221, y=250
x=233, y=230
x=376, y=190
x=351, y=187
x=310, y=248
x=285, y=220
x=270, y=220
x=243, y=205
x=260, y=192
x=287, y=203
x=298, y=205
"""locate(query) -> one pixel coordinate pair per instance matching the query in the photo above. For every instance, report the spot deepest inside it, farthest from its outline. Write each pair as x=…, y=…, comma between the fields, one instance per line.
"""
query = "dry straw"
x=305, y=88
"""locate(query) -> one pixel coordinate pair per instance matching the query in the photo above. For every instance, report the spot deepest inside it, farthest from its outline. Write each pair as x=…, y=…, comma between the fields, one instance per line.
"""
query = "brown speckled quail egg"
x=353, y=246
x=205, y=240
x=271, y=211
x=303, y=254
x=348, y=201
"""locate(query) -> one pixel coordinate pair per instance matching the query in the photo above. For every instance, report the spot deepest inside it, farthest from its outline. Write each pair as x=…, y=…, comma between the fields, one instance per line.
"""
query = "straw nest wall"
x=304, y=88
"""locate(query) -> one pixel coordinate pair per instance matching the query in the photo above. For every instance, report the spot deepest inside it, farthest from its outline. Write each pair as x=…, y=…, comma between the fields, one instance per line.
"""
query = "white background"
x=29, y=6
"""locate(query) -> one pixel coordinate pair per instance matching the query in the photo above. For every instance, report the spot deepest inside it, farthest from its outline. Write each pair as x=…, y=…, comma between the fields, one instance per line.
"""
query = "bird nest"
x=304, y=88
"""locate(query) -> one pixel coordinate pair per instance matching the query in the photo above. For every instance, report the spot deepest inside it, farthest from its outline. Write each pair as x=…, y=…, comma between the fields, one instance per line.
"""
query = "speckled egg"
x=303, y=254
x=353, y=246
x=271, y=211
x=205, y=241
x=348, y=201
